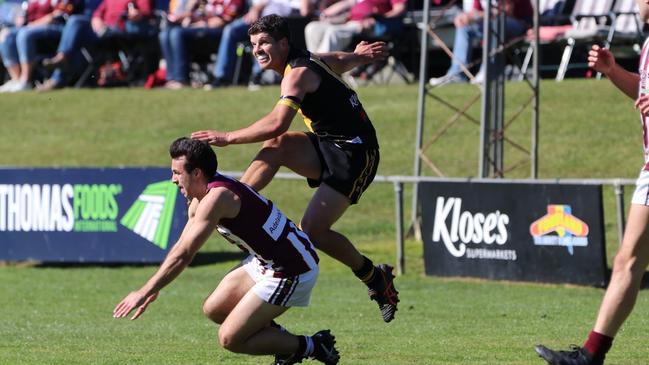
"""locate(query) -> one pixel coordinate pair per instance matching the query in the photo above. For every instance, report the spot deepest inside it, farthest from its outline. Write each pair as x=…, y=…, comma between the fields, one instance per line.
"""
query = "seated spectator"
x=374, y=18
x=469, y=26
x=10, y=10
x=113, y=18
x=335, y=11
x=199, y=20
x=237, y=32
x=42, y=21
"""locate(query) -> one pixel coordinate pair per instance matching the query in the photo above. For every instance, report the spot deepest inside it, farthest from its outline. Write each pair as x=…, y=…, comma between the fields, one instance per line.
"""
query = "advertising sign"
x=528, y=232
x=118, y=215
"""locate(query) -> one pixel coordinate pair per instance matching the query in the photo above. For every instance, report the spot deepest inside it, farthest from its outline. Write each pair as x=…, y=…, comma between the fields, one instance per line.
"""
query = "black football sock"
x=367, y=273
x=278, y=326
x=305, y=346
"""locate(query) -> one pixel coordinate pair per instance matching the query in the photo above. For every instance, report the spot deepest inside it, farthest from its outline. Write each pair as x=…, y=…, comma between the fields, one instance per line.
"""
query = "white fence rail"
x=398, y=181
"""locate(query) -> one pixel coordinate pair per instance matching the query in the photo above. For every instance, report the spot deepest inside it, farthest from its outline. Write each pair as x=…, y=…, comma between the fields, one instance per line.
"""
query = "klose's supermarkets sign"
x=88, y=215
x=531, y=232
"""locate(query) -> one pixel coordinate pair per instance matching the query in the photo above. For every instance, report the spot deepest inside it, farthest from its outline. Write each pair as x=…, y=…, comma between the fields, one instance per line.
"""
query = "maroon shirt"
x=112, y=11
x=364, y=8
x=264, y=231
x=37, y=9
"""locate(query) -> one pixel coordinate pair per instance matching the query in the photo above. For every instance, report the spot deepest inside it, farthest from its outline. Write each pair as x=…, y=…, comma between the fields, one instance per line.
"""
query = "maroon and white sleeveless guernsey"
x=264, y=231
x=643, y=89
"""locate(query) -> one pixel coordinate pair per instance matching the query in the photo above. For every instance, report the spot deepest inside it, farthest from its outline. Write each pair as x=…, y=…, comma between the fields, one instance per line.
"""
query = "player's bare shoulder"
x=222, y=202
x=300, y=78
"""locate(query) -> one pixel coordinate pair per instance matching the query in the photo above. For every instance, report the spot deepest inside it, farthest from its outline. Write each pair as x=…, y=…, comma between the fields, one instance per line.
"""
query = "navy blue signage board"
x=527, y=232
x=100, y=215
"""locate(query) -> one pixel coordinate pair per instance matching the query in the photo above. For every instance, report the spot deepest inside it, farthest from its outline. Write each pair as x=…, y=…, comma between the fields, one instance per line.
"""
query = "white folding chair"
x=550, y=15
x=591, y=21
x=626, y=27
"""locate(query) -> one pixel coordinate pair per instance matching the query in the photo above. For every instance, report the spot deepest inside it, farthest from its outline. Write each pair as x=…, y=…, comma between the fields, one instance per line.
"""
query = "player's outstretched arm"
x=364, y=53
x=602, y=60
x=198, y=229
x=269, y=126
x=295, y=85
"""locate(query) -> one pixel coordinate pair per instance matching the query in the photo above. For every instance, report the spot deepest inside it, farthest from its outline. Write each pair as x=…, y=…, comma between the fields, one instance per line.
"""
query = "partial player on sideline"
x=340, y=154
x=279, y=273
x=633, y=257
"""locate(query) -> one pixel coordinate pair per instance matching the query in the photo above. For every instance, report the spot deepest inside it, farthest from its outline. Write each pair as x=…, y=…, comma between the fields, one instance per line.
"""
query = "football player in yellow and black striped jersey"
x=339, y=154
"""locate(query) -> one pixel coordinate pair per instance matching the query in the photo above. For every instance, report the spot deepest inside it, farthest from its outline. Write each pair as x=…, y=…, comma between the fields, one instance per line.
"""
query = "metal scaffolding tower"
x=492, y=119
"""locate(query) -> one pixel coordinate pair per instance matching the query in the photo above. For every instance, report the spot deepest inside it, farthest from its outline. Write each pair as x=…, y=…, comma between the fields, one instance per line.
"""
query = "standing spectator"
x=633, y=257
x=200, y=20
x=42, y=21
x=371, y=17
x=237, y=32
x=469, y=27
x=112, y=18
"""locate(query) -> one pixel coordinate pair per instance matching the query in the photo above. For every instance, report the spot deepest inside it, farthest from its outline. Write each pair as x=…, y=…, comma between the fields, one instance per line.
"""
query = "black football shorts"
x=347, y=168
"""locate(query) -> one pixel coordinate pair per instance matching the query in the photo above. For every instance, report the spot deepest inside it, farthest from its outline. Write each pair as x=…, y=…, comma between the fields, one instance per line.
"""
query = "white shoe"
x=446, y=79
x=478, y=79
x=8, y=86
x=21, y=86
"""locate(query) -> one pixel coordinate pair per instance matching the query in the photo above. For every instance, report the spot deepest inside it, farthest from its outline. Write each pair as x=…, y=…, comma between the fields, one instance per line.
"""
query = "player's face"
x=182, y=178
x=270, y=54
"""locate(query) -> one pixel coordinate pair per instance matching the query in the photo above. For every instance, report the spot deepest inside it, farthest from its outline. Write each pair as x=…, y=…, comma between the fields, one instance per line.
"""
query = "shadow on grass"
x=201, y=259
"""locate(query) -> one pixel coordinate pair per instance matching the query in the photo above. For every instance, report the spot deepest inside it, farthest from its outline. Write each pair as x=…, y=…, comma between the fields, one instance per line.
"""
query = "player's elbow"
x=182, y=257
x=278, y=127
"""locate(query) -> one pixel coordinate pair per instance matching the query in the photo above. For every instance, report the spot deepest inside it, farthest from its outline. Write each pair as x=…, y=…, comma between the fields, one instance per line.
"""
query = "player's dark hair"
x=273, y=25
x=198, y=154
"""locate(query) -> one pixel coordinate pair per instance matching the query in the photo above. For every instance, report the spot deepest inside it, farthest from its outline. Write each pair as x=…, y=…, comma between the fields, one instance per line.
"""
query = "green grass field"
x=55, y=315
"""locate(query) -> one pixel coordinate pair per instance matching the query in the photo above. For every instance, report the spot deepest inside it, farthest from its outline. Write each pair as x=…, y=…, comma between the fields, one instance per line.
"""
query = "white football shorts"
x=641, y=194
x=294, y=291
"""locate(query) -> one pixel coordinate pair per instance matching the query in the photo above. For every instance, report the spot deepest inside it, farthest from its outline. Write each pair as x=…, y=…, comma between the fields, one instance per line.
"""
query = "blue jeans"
x=175, y=43
x=20, y=46
x=233, y=33
x=78, y=34
x=464, y=36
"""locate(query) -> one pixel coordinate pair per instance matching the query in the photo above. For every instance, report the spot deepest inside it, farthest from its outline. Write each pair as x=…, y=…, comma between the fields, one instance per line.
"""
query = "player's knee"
x=280, y=141
x=275, y=148
x=228, y=340
x=269, y=155
x=313, y=229
x=213, y=313
x=624, y=263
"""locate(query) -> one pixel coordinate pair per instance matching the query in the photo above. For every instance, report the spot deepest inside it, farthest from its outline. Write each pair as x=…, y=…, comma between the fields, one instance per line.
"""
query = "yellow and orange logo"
x=570, y=230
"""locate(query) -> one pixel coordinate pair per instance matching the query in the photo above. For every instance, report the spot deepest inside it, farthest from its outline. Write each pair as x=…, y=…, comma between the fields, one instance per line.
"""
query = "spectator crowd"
x=51, y=44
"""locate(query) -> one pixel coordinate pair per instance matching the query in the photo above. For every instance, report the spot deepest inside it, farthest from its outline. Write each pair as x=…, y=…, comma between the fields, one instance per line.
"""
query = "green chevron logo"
x=151, y=214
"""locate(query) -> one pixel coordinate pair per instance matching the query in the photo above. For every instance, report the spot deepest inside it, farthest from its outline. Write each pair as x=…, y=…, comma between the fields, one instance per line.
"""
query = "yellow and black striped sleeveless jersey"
x=333, y=111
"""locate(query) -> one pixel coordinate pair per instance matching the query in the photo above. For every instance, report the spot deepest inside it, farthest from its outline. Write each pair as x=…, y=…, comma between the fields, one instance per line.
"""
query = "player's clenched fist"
x=600, y=59
x=642, y=104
